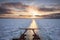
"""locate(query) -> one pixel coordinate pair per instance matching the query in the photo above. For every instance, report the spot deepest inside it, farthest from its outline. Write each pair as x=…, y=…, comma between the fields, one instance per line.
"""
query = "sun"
x=33, y=11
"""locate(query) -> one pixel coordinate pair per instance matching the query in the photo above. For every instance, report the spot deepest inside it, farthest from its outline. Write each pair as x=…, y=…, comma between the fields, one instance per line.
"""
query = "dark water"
x=9, y=28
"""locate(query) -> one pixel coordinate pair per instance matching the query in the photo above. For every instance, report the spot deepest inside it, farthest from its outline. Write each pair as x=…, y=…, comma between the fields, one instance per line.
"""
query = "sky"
x=13, y=9
x=35, y=2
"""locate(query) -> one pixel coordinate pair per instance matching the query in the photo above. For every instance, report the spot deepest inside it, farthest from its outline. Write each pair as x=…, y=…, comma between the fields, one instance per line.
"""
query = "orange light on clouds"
x=33, y=11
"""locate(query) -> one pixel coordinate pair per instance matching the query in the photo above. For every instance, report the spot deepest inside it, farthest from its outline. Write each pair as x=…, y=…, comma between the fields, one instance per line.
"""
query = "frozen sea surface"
x=9, y=28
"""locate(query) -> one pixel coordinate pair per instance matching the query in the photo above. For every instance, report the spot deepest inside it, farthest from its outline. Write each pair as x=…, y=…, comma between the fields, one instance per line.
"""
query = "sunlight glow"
x=33, y=11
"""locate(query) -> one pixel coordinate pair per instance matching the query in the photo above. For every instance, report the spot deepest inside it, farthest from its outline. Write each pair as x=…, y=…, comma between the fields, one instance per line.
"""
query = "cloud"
x=49, y=9
x=52, y=7
x=52, y=16
x=12, y=8
x=4, y=11
x=6, y=8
